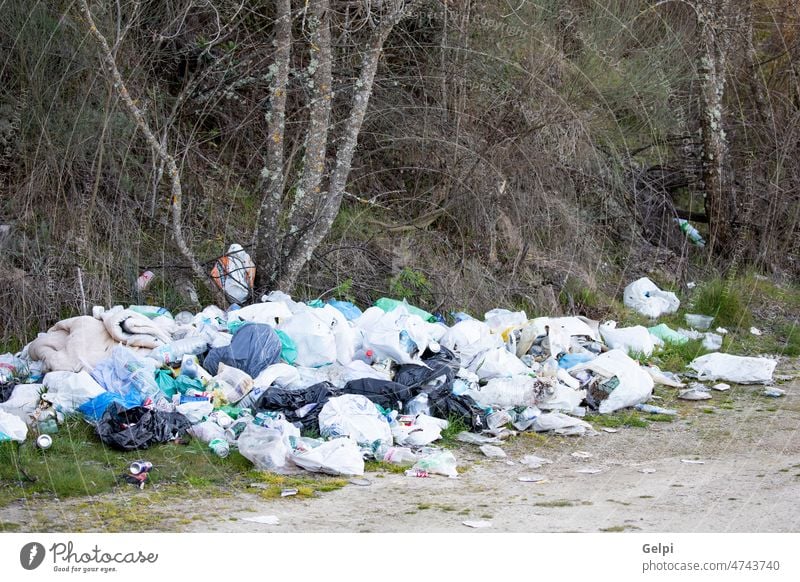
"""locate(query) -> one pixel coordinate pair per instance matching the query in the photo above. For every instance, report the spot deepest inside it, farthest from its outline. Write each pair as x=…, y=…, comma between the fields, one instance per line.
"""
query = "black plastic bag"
x=6, y=390
x=254, y=347
x=444, y=404
x=296, y=404
x=382, y=392
x=139, y=427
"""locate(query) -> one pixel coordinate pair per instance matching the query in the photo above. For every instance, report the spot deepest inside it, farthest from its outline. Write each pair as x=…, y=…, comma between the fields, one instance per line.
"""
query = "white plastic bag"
x=344, y=334
x=335, y=457
x=66, y=391
x=272, y=313
x=497, y=363
x=381, y=334
x=266, y=448
x=470, y=337
x=313, y=338
x=195, y=411
x=508, y=392
x=207, y=431
x=739, y=369
x=355, y=416
x=280, y=374
x=424, y=431
x=12, y=428
x=235, y=273
x=628, y=339
x=563, y=398
x=645, y=297
x=23, y=401
x=439, y=462
x=635, y=384
x=560, y=424
x=500, y=320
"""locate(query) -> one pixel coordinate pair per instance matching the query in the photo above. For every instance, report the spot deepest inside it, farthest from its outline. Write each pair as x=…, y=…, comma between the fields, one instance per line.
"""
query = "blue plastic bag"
x=349, y=310
x=93, y=409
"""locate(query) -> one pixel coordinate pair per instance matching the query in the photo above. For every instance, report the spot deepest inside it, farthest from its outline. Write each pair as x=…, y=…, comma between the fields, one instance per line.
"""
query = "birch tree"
x=297, y=211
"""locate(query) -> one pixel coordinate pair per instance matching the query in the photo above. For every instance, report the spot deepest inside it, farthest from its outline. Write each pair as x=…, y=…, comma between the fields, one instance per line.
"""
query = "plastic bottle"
x=173, y=352
x=189, y=366
x=691, y=232
x=407, y=343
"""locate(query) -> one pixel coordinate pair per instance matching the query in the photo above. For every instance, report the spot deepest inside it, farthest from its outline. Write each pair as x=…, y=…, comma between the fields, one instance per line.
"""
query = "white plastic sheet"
x=66, y=391
x=507, y=392
x=497, y=363
x=645, y=297
x=267, y=448
x=739, y=369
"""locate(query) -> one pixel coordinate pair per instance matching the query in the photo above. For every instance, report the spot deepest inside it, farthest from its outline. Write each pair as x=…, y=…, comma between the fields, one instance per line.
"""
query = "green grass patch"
x=375, y=466
x=725, y=301
x=675, y=357
x=307, y=484
x=618, y=419
x=555, y=503
x=455, y=425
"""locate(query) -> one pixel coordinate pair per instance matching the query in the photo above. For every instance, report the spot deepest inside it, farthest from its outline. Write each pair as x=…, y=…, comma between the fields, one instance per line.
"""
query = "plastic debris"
x=477, y=524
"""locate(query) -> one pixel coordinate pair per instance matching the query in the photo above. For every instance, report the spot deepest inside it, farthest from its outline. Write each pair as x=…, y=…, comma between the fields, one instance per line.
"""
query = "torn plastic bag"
x=739, y=369
x=470, y=337
x=298, y=405
x=313, y=338
x=386, y=335
x=560, y=424
x=23, y=402
x=356, y=416
x=509, y=392
x=94, y=409
x=253, y=347
x=645, y=297
x=663, y=378
x=563, y=398
x=633, y=385
x=207, y=431
x=438, y=462
x=390, y=395
x=128, y=375
x=444, y=404
x=138, y=427
x=13, y=369
x=422, y=432
x=628, y=339
x=267, y=448
x=500, y=320
x=496, y=363
x=234, y=273
x=272, y=313
x=195, y=411
x=12, y=428
x=334, y=457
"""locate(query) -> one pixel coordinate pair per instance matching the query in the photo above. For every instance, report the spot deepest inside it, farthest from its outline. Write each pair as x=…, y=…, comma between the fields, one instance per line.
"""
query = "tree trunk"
x=712, y=22
x=267, y=255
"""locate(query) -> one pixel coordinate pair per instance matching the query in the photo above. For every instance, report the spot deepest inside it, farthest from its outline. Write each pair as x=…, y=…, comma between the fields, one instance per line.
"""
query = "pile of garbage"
x=320, y=387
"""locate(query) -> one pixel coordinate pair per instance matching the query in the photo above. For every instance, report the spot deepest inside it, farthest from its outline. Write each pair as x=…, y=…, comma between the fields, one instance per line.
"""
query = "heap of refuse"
x=322, y=386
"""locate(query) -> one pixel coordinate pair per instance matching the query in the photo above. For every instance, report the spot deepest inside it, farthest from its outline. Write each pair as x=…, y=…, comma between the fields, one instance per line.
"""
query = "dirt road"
x=749, y=481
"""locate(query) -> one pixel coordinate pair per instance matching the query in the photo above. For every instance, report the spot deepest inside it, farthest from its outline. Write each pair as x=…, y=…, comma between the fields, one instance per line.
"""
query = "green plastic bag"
x=184, y=383
x=668, y=335
x=166, y=382
x=391, y=304
x=288, y=349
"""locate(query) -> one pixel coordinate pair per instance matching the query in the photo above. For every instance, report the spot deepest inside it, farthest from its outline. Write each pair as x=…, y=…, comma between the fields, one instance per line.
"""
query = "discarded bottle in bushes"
x=690, y=232
x=172, y=353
